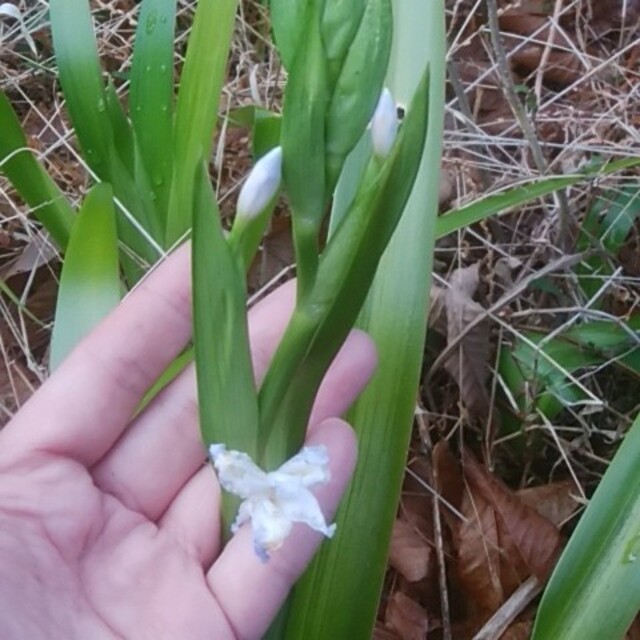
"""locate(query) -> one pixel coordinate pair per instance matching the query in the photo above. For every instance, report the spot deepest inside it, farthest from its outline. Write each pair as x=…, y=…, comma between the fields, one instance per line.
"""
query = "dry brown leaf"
x=380, y=633
x=276, y=253
x=478, y=552
x=448, y=474
x=536, y=539
x=410, y=554
x=437, y=319
x=555, y=501
x=406, y=617
x=467, y=363
x=518, y=631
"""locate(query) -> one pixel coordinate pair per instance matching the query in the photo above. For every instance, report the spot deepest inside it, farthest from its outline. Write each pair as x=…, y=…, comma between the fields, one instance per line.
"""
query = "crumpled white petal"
x=274, y=501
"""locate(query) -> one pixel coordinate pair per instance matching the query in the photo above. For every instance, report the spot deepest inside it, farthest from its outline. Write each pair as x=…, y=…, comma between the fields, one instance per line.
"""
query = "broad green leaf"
x=197, y=106
x=358, y=86
x=123, y=138
x=606, y=227
x=504, y=201
x=303, y=145
x=151, y=94
x=81, y=79
x=90, y=279
x=287, y=18
x=329, y=309
x=594, y=591
x=339, y=595
x=31, y=181
x=91, y=111
x=538, y=376
x=265, y=127
x=538, y=371
x=340, y=23
x=227, y=397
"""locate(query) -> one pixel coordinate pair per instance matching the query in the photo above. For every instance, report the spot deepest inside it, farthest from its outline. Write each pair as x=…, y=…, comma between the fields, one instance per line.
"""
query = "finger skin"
x=162, y=450
x=82, y=409
x=189, y=515
x=239, y=580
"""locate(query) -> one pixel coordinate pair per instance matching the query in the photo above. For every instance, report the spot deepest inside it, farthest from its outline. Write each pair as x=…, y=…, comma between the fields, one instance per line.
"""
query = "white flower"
x=274, y=501
x=384, y=124
x=261, y=185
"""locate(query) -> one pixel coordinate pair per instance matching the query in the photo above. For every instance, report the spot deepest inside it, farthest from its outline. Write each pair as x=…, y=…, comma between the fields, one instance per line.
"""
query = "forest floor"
x=520, y=411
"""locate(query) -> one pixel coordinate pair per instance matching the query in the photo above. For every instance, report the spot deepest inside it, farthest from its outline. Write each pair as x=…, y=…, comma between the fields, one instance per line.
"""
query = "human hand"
x=109, y=526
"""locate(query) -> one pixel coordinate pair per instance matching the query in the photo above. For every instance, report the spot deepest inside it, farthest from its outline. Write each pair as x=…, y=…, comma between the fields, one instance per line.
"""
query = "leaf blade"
x=594, y=591
x=90, y=279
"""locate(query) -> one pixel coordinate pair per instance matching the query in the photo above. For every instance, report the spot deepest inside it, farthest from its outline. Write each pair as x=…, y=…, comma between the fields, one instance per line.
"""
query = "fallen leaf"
x=380, y=633
x=406, y=617
x=518, y=631
x=555, y=501
x=275, y=254
x=467, y=363
x=478, y=552
x=535, y=538
x=448, y=480
x=410, y=554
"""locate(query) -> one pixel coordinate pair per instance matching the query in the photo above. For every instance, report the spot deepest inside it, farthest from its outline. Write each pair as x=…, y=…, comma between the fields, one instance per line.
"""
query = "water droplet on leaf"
x=632, y=550
x=152, y=21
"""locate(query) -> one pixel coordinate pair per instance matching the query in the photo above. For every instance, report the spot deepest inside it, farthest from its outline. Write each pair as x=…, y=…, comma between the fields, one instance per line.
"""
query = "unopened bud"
x=384, y=124
x=261, y=185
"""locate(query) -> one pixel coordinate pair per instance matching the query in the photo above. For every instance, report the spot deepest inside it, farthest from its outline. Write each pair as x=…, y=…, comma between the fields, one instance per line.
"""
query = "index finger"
x=84, y=407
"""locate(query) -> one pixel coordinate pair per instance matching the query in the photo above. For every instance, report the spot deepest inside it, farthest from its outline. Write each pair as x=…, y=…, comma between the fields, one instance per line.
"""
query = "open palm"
x=109, y=526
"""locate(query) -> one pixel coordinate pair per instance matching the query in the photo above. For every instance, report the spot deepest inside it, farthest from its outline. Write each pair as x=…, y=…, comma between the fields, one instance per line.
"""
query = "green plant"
x=154, y=157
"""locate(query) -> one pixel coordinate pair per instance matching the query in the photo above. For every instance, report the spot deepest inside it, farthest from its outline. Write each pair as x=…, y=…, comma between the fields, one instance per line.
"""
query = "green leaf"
x=358, y=86
x=90, y=280
x=303, y=145
x=325, y=315
x=538, y=371
x=31, y=181
x=606, y=227
x=341, y=21
x=227, y=397
x=123, y=138
x=151, y=94
x=197, y=106
x=350, y=569
x=594, y=591
x=81, y=79
x=91, y=111
x=287, y=19
x=539, y=376
x=504, y=201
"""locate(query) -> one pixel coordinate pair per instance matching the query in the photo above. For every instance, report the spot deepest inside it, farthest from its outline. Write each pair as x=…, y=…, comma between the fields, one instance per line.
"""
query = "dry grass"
x=536, y=88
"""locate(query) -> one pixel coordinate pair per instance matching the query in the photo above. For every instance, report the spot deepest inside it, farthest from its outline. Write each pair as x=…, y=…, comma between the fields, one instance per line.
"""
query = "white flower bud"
x=384, y=124
x=261, y=185
x=274, y=501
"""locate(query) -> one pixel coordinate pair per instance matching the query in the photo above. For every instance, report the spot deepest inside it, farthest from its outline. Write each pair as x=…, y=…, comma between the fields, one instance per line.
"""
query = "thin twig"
x=504, y=72
x=499, y=622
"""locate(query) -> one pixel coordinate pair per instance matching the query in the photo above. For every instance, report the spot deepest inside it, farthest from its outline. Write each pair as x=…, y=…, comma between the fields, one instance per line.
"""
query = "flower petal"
x=302, y=506
x=237, y=473
x=310, y=467
x=270, y=527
